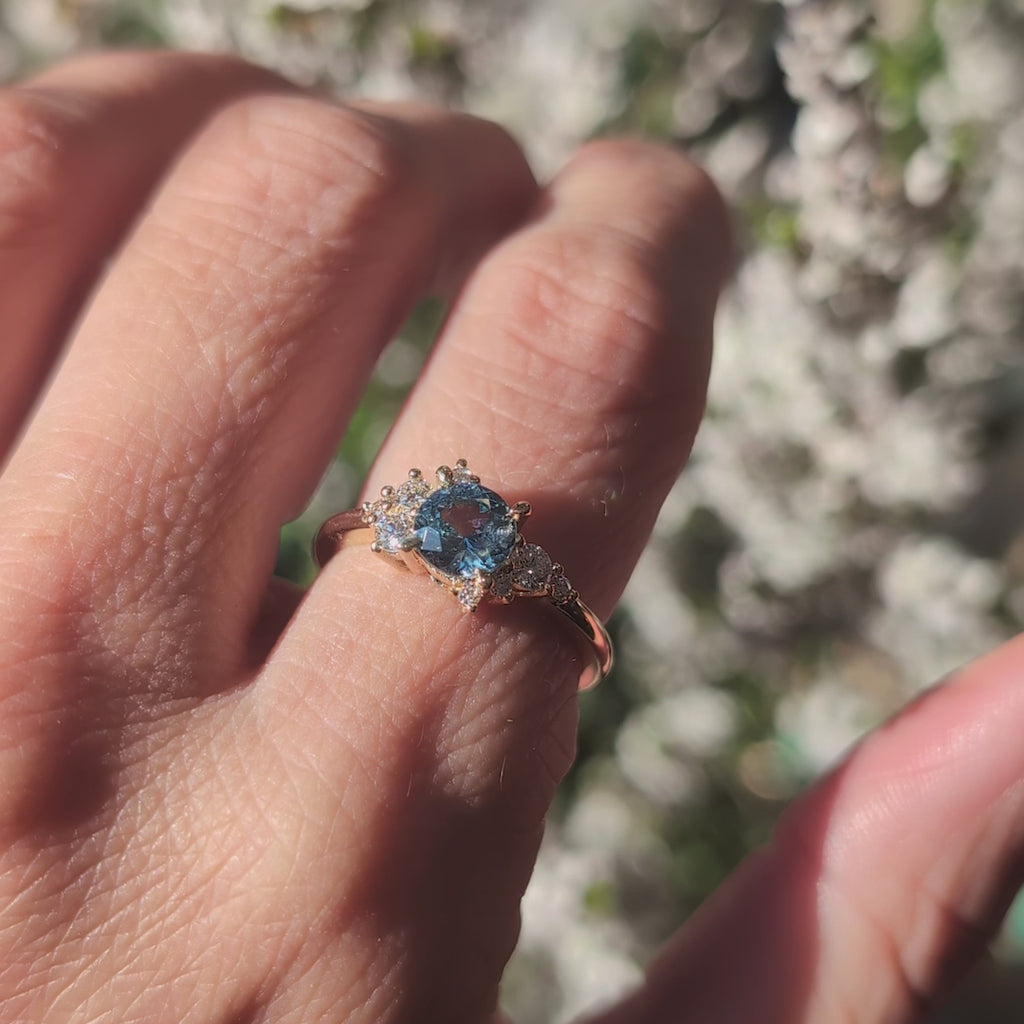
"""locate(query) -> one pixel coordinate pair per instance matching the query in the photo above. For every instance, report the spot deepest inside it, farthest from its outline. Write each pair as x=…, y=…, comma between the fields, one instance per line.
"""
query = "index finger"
x=571, y=374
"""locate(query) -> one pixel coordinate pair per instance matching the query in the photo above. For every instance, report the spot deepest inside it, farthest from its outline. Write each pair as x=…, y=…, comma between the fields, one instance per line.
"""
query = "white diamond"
x=389, y=532
x=531, y=567
x=559, y=589
x=412, y=492
x=393, y=518
x=501, y=584
x=391, y=526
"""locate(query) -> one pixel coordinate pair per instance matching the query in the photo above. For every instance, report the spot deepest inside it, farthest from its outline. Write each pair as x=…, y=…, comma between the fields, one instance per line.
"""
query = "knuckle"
x=308, y=164
x=583, y=313
x=612, y=296
x=589, y=296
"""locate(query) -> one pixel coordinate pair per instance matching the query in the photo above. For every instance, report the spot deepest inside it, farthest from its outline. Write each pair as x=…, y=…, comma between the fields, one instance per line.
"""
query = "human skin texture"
x=224, y=801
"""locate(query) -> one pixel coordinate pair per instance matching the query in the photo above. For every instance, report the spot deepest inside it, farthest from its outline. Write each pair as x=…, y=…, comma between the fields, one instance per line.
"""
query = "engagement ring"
x=467, y=538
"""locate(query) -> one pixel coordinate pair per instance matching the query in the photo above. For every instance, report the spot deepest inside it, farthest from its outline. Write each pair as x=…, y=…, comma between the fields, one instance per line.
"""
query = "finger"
x=572, y=371
x=81, y=146
x=573, y=364
x=208, y=384
x=881, y=885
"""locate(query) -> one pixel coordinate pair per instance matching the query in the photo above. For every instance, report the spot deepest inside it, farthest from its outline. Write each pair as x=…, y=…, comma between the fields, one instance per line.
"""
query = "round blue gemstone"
x=465, y=528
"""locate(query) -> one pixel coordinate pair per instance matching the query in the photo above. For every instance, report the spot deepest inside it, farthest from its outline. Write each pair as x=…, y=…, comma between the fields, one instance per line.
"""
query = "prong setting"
x=520, y=510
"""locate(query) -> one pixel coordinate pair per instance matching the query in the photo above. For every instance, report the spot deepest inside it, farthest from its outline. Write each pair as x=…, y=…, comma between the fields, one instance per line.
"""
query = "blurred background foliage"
x=850, y=528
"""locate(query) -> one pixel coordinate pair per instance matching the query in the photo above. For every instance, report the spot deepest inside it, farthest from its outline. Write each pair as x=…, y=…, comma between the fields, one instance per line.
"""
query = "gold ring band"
x=466, y=538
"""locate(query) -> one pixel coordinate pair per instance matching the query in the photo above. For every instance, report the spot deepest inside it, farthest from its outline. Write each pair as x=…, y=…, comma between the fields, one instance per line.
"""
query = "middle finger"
x=210, y=379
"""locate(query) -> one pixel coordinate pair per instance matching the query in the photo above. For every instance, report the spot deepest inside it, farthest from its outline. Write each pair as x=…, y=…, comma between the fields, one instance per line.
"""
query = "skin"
x=222, y=803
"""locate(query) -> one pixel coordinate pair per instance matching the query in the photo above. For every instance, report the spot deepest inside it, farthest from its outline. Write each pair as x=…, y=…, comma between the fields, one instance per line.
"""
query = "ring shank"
x=345, y=526
x=587, y=622
x=331, y=534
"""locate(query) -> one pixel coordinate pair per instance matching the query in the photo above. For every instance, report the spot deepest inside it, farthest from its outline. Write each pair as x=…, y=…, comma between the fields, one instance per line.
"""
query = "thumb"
x=880, y=886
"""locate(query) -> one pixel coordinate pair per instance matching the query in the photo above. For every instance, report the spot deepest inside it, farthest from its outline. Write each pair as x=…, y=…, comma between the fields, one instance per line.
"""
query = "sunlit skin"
x=222, y=801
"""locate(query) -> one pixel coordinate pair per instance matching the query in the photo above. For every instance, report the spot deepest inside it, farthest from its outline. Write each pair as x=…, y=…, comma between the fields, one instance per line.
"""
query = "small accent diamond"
x=501, y=583
x=412, y=492
x=392, y=527
x=393, y=515
x=559, y=589
x=471, y=593
x=531, y=567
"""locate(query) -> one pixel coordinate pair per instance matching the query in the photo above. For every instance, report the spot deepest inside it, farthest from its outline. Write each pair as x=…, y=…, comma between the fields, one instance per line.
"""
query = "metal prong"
x=520, y=510
x=387, y=491
x=462, y=464
x=415, y=474
x=375, y=547
x=366, y=508
x=410, y=542
x=445, y=476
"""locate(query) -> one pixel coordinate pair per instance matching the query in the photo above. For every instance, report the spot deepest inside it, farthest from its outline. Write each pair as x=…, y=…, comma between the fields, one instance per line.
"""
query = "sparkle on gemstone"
x=464, y=529
x=392, y=522
x=471, y=593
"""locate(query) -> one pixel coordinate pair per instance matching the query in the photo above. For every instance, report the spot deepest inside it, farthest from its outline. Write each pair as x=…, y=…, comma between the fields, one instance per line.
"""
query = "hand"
x=221, y=804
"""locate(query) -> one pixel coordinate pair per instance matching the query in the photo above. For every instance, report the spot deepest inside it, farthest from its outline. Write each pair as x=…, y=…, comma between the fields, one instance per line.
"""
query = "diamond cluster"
x=530, y=571
x=466, y=536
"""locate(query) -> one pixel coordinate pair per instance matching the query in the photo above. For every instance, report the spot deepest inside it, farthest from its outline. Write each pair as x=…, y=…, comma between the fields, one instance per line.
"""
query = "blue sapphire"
x=465, y=528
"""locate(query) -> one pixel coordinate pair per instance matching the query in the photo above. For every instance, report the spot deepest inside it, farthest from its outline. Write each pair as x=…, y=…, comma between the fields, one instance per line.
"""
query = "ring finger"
x=571, y=373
